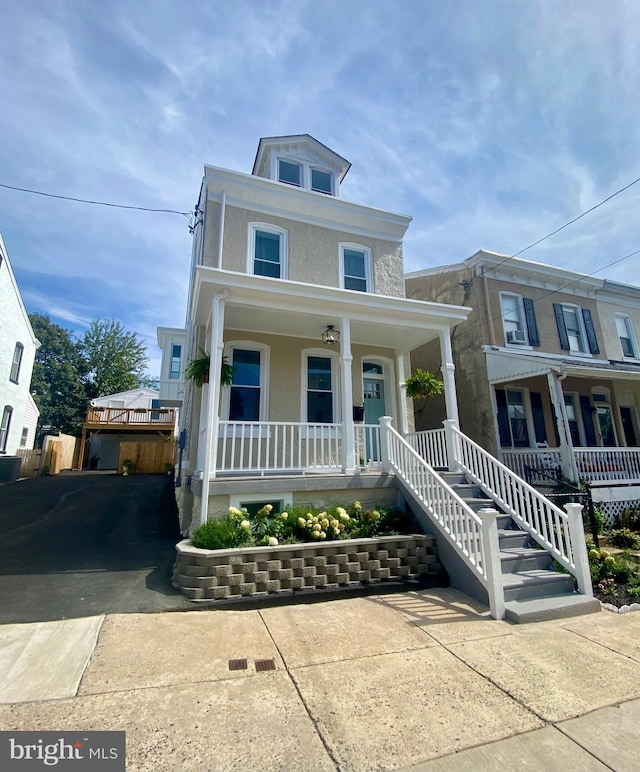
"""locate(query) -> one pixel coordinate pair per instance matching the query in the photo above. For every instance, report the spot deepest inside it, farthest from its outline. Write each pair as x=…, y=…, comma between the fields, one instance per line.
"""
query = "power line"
x=556, y=291
x=566, y=225
x=97, y=203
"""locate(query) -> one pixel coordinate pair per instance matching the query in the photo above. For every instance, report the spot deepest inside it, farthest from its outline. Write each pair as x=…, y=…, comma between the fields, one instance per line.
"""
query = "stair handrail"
x=560, y=533
x=451, y=515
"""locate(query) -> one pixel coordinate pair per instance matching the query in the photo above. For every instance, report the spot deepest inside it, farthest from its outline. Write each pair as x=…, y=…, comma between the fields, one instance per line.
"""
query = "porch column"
x=213, y=401
x=402, y=397
x=448, y=377
x=569, y=467
x=348, y=434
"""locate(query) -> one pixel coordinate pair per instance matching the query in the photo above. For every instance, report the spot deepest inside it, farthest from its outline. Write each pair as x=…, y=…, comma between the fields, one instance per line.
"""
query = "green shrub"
x=630, y=518
x=221, y=534
x=624, y=538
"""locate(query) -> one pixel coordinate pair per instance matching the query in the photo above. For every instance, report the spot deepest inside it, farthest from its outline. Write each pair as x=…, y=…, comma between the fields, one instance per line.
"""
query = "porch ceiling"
x=260, y=304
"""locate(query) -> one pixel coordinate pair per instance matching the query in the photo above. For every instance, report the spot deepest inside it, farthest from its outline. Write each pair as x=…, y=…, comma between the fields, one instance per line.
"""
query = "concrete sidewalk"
x=424, y=681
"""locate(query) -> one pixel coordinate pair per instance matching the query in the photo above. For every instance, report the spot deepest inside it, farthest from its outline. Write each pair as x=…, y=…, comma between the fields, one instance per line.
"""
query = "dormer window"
x=321, y=181
x=289, y=172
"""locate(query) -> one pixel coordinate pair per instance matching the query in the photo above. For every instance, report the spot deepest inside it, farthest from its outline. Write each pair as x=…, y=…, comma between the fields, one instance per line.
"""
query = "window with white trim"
x=355, y=267
x=289, y=172
x=244, y=392
x=267, y=251
x=176, y=355
x=16, y=362
x=320, y=389
x=5, y=425
x=574, y=327
x=321, y=181
x=626, y=333
x=513, y=319
x=513, y=421
x=24, y=437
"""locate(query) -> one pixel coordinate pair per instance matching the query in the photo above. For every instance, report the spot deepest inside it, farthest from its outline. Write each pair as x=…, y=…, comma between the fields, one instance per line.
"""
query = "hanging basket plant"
x=198, y=370
x=423, y=385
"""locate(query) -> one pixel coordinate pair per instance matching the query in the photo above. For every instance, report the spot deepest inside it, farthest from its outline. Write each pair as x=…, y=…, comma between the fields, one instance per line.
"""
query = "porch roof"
x=504, y=366
x=279, y=307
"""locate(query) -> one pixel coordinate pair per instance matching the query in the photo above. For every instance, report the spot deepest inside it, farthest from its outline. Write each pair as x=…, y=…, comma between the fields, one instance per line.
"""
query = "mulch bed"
x=622, y=598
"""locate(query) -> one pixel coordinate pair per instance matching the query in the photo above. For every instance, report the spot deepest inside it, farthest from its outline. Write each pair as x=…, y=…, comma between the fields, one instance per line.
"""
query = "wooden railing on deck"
x=122, y=416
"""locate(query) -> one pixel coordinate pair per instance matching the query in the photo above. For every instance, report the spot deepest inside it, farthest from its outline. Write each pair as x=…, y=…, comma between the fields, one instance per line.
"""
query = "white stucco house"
x=302, y=291
x=18, y=346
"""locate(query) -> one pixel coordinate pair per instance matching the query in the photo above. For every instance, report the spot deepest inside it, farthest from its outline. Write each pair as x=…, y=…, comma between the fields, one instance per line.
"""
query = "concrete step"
x=511, y=538
x=477, y=504
x=454, y=478
x=551, y=607
x=535, y=583
x=516, y=559
x=469, y=490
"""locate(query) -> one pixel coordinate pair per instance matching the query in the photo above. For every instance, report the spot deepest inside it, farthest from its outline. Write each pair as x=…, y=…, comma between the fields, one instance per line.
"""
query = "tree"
x=58, y=383
x=116, y=358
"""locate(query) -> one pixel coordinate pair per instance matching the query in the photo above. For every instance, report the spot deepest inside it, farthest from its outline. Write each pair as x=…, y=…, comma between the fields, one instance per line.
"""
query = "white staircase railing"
x=430, y=445
x=453, y=518
x=560, y=533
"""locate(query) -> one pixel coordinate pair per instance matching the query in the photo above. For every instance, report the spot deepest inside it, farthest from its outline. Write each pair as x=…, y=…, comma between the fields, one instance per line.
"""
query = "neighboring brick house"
x=18, y=346
x=548, y=367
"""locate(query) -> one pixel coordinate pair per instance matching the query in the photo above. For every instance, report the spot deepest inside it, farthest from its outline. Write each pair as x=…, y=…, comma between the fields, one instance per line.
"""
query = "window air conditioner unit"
x=516, y=336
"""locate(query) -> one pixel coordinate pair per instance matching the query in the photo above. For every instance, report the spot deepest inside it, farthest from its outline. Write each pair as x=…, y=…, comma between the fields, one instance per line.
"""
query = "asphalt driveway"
x=83, y=544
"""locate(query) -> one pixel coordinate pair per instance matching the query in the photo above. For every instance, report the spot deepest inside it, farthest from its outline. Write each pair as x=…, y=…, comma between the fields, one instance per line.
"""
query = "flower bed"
x=286, y=569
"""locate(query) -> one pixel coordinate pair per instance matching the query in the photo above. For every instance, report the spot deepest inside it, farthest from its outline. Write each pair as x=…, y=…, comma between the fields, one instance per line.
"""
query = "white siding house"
x=18, y=345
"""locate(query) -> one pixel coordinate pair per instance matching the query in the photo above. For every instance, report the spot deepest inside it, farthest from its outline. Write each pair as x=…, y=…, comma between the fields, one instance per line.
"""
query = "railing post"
x=385, y=455
x=491, y=561
x=579, y=548
x=451, y=444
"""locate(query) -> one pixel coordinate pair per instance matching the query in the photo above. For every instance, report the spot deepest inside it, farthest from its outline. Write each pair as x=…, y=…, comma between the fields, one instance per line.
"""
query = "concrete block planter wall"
x=261, y=571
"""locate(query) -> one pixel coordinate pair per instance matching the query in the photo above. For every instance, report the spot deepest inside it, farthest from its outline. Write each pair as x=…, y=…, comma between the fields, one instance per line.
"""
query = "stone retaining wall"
x=262, y=571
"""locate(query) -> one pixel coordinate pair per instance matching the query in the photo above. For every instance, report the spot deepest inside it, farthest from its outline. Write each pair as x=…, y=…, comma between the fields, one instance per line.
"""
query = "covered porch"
x=580, y=418
x=301, y=404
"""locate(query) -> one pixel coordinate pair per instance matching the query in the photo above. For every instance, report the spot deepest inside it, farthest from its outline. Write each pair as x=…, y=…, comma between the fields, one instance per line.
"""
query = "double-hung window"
x=518, y=320
x=576, y=329
x=355, y=264
x=624, y=325
x=512, y=418
x=267, y=255
x=16, y=362
x=320, y=397
x=174, y=371
x=5, y=425
x=321, y=182
x=245, y=390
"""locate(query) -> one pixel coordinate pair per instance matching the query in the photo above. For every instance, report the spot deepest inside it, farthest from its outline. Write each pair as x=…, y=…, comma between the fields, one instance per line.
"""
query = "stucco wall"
x=607, y=311
x=313, y=251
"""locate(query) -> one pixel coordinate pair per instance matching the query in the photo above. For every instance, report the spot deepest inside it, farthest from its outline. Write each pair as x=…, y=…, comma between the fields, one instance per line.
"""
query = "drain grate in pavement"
x=237, y=664
x=265, y=664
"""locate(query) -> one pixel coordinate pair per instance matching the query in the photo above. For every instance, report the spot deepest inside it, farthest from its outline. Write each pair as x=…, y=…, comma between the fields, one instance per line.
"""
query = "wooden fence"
x=57, y=453
x=148, y=457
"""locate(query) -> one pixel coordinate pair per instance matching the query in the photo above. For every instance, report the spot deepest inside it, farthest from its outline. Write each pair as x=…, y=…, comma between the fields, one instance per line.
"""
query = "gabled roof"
x=5, y=264
x=293, y=143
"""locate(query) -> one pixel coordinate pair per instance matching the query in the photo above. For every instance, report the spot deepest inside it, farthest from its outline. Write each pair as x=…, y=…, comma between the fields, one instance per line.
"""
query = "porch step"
x=511, y=538
x=535, y=583
x=519, y=559
x=550, y=607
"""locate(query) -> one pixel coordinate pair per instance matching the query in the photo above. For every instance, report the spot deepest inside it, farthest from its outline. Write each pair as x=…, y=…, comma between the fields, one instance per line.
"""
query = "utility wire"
x=566, y=225
x=556, y=291
x=98, y=203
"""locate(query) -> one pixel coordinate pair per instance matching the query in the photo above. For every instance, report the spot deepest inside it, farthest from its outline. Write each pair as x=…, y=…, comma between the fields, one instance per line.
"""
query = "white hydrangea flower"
x=246, y=525
x=273, y=542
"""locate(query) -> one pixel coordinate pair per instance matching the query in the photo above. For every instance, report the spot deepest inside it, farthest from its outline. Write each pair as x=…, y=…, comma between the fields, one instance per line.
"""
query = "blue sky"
x=490, y=123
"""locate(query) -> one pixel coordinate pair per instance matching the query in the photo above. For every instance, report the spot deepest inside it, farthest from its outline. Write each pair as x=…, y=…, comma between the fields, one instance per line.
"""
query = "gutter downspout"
x=223, y=210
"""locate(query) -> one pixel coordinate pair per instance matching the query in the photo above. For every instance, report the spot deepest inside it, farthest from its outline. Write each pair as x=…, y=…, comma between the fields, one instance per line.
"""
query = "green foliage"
x=630, y=517
x=300, y=524
x=197, y=371
x=60, y=377
x=220, y=534
x=116, y=358
x=625, y=539
x=423, y=385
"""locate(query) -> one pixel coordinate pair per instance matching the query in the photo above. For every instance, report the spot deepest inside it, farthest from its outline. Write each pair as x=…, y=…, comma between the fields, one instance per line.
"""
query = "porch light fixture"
x=330, y=336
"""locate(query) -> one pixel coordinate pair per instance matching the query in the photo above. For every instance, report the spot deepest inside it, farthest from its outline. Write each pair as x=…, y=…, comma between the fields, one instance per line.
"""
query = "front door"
x=374, y=408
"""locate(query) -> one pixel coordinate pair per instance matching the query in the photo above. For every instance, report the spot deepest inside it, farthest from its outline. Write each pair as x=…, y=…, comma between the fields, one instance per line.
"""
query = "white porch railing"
x=562, y=536
x=367, y=444
x=544, y=459
x=430, y=445
x=278, y=446
x=603, y=464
